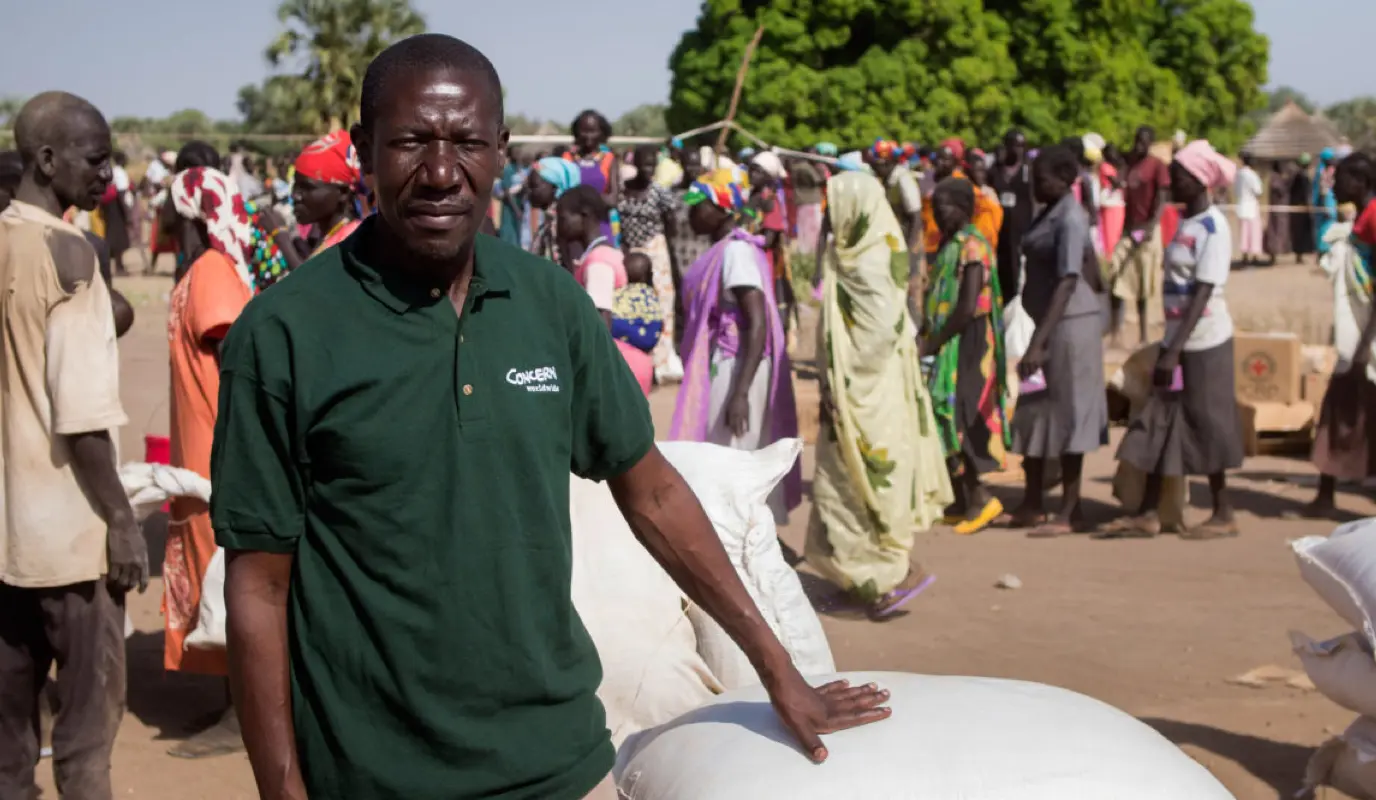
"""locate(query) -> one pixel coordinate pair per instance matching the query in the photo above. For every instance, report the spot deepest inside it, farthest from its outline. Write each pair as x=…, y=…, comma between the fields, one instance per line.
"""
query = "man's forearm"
x=93, y=457
x=668, y=520
x=256, y=586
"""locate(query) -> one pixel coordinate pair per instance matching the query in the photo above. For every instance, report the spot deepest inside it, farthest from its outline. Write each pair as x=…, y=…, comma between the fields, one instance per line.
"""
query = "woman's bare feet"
x=1142, y=526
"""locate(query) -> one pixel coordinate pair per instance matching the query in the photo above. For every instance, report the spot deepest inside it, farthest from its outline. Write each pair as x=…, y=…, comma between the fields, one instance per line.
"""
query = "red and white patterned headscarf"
x=331, y=159
x=209, y=196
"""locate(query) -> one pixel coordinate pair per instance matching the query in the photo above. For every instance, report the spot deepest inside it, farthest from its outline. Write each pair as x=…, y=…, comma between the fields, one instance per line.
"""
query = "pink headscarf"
x=1203, y=162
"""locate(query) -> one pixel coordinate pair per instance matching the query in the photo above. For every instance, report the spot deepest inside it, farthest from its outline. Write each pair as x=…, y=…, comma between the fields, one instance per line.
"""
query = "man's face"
x=1014, y=148
x=433, y=152
x=79, y=167
x=1142, y=144
x=945, y=162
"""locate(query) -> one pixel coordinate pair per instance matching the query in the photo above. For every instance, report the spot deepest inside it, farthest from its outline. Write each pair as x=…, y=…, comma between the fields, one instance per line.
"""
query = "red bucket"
x=158, y=450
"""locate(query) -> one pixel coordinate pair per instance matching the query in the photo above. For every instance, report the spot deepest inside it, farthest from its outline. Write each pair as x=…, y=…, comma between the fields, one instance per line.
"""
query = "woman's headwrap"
x=772, y=165
x=716, y=187
x=853, y=161
x=330, y=159
x=563, y=174
x=956, y=146
x=885, y=149
x=208, y=195
x=826, y=149
x=1211, y=169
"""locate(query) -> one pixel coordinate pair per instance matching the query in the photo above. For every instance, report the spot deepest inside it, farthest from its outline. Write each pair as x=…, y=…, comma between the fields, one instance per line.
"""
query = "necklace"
x=337, y=226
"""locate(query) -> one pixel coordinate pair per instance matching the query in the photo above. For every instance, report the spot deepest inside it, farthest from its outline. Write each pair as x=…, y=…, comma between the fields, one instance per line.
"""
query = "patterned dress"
x=968, y=378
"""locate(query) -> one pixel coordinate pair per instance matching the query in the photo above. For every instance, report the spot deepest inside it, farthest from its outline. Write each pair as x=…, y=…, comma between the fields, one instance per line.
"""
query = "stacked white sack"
x=1342, y=570
x=148, y=487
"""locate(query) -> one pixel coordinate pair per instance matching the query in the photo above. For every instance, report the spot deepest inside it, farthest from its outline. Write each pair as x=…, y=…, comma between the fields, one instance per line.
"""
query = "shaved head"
x=65, y=146
x=53, y=119
x=428, y=51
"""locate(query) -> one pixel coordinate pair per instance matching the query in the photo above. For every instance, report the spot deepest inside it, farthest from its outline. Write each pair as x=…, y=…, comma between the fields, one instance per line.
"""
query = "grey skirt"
x=1070, y=415
x=1192, y=432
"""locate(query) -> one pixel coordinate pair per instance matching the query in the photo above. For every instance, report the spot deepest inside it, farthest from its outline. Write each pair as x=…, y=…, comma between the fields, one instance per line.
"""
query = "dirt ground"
x=1153, y=627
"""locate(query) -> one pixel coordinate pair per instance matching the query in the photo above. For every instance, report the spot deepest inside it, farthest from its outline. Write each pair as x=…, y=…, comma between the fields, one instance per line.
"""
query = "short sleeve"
x=740, y=268
x=215, y=297
x=1070, y=243
x=1163, y=175
x=601, y=284
x=259, y=498
x=665, y=201
x=611, y=427
x=83, y=362
x=1216, y=254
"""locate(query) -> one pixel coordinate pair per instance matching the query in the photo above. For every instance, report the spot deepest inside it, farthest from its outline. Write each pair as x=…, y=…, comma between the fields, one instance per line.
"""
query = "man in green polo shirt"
x=397, y=424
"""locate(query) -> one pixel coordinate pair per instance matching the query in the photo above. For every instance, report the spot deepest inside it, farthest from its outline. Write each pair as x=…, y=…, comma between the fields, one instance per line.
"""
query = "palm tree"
x=337, y=39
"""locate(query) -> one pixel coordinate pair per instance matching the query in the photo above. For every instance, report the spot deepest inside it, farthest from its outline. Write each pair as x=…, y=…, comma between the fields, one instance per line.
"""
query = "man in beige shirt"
x=69, y=545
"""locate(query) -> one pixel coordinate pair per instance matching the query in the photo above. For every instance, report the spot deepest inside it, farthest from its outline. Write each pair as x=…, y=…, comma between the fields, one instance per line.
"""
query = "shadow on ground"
x=175, y=704
x=1279, y=765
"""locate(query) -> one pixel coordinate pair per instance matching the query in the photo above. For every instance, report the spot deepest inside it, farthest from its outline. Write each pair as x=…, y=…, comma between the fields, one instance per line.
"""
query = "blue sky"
x=152, y=57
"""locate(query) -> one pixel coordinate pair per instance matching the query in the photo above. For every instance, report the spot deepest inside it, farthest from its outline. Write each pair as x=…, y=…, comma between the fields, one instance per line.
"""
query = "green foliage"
x=645, y=120
x=337, y=39
x=1356, y=119
x=1276, y=100
x=280, y=105
x=853, y=70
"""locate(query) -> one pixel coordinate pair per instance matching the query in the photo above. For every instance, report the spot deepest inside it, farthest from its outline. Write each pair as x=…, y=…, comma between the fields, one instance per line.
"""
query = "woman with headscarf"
x=206, y=216
x=325, y=188
x=880, y=471
x=1323, y=199
x=737, y=384
x=1301, y=222
x=1062, y=413
x=1345, y=441
x=1189, y=426
x=597, y=265
x=547, y=182
x=963, y=335
x=648, y=226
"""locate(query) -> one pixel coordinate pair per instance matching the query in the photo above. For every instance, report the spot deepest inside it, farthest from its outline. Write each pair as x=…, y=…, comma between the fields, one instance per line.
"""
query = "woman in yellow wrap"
x=880, y=472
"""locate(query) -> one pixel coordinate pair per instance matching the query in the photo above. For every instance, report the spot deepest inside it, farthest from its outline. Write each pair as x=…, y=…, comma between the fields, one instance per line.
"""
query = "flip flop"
x=1209, y=531
x=1051, y=530
x=988, y=514
x=897, y=599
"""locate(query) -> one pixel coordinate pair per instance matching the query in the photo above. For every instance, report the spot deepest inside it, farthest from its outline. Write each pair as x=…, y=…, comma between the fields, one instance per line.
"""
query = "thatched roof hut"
x=1291, y=132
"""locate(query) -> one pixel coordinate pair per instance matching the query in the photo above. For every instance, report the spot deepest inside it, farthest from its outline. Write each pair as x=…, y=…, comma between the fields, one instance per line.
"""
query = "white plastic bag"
x=1342, y=669
x=733, y=487
x=210, y=619
x=1018, y=328
x=950, y=738
x=651, y=670
x=1342, y=569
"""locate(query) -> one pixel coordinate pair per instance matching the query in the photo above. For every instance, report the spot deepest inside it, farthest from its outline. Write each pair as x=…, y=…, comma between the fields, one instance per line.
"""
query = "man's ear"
x=363, y=148
x=45, y=161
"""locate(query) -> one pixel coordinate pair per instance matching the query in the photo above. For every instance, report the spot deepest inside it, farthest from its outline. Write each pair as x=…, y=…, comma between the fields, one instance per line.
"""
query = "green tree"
x=1355, y=119
x=644, y=120
x=846, y=70
x=281, y=104
x=337, y=40
x=9, y=109
x=852, y=70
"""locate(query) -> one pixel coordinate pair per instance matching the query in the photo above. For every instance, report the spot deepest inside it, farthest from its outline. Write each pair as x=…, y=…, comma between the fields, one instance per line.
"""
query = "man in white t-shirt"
x=1201, y=252
x=1247, y=191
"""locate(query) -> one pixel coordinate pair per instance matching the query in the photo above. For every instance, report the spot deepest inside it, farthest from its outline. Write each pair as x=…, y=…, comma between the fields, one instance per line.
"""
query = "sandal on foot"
x=991, y=510
x=1051, y=530
x=1209, y=531
x=890, y=603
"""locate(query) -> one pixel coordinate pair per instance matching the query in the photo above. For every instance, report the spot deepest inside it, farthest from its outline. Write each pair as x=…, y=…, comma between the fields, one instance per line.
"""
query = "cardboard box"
x=1275, y=427
x=1267, y=367
x=1314, y=386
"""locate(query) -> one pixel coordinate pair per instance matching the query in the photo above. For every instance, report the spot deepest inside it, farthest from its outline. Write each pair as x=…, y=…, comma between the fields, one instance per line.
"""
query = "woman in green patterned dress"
x=880, y=473
x=963, y=338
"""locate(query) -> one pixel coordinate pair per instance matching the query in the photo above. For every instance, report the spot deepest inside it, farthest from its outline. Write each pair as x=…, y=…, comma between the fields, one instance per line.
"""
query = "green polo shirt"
x=416, y=463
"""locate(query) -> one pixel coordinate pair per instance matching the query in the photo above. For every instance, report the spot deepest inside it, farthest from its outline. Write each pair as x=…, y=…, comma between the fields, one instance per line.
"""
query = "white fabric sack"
x=1347, y=763
x=210, y=619
x=1342, y=669
x=950, y=738
x=733, y=487
x=1018, y=328
x=632, y=609
x=1342, y=569
x=148, y=486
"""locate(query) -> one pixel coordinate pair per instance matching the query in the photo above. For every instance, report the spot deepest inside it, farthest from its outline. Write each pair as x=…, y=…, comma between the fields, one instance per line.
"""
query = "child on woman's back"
x=635, y=307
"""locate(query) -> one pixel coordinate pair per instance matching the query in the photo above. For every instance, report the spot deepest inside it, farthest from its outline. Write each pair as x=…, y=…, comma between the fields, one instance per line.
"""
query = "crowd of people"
x=355, y=285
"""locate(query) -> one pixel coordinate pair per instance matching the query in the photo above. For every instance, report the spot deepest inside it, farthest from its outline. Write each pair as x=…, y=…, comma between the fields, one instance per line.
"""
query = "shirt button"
x=434, y=292
x=467, y=389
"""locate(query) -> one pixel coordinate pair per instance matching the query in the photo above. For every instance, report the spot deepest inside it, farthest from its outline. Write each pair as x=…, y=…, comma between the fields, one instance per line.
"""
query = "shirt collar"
x=18, y=209
x=401, y=293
